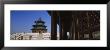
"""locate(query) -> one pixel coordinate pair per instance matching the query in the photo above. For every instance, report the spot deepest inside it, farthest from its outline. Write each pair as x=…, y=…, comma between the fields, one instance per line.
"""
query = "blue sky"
x=22, y=20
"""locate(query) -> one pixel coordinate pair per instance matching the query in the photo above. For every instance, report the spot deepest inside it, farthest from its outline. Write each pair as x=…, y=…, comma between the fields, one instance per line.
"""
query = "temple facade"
x=39, y=27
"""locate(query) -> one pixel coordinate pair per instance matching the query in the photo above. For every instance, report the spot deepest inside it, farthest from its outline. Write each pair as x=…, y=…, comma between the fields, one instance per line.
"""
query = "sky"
x=22, y=20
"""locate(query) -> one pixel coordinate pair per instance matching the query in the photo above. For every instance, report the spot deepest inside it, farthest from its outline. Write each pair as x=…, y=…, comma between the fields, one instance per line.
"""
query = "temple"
x=39, y=27
x=81, y=25
x=73, y=25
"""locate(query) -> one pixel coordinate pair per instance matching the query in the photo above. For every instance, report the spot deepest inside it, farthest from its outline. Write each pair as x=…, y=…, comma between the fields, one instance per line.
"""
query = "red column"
x=53, y=25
